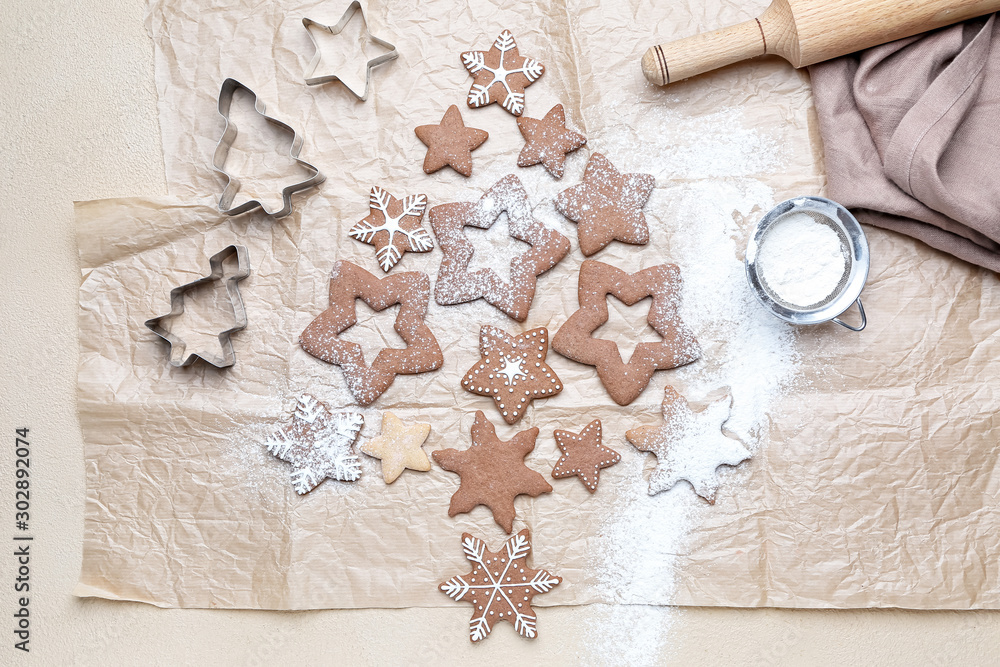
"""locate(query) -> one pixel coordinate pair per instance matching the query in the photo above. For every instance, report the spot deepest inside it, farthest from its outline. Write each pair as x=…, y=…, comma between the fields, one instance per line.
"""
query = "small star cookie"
x=492, y=472
x=450, y=143
x=393, y=227
x=548, y=141
x=583, y=455
x=399, y=447
x=689, y=445
x=607, y=205
x=512, y=370
x=501, y=74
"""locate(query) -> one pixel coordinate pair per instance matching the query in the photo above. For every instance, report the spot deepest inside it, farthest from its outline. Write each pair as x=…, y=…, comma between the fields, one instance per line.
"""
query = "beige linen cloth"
x=874, y=476
x=912, y=137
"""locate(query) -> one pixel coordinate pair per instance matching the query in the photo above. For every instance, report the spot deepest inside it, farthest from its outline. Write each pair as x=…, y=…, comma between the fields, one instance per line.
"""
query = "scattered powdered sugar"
x=705, y=179
x=801, y=259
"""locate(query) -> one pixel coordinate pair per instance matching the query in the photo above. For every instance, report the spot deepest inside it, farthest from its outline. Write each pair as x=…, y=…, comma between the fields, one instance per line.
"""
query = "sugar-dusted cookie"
x=500, y=586
x=547, y=141
x=512, y=370
x=689, y=445
x=625, y=381
x=583, y=455
x=450, y=143
x=398, y=447
x=393, y=227
x=492, y=472
x=318, y=443
x=501, y=74
x=456, y=284
x=411, y=290
x=607, y=205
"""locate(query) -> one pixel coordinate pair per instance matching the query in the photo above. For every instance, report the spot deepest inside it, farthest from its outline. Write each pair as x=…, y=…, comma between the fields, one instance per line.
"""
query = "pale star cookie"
x=399, y=447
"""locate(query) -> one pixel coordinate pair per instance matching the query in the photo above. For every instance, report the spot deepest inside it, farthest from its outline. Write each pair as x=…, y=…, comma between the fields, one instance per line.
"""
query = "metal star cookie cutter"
x=177, y=307
x=310, y=73
x=229, y=88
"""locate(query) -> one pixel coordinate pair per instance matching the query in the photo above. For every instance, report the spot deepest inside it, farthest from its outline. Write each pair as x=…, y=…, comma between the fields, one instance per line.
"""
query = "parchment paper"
x=873, y=481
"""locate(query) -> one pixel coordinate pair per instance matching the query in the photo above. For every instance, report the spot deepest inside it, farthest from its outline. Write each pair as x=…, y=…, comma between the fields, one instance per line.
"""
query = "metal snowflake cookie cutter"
x=177, y=307
x=310, y=73
x=229, y=88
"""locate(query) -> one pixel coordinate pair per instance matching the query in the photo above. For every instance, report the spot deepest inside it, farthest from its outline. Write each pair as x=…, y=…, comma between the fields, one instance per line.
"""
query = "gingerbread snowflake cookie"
x=607, y=205
x=456, y=284
x=583, y=455
x=399, y=447
x=501, y=74
x=689, y=445
x=548, y=141
x=500, y=585
x=393, y=227
x=512, y=370
x=492, y=472
x=411, y=290
x=625, y=381
x=450, y=143
x=318, y=443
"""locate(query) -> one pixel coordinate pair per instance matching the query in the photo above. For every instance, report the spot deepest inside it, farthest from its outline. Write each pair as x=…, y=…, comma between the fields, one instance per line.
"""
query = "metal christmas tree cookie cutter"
x=310, y=73
x=848, y=291
x=229, y=88
x=239, y=312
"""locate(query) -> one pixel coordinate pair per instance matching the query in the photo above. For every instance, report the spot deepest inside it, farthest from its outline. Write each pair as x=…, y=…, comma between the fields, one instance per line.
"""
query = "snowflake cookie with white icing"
x=512, y=370
x=501, y=75
x=689, y=445
x=500, y=586
x=318, y=443
x=393, y=227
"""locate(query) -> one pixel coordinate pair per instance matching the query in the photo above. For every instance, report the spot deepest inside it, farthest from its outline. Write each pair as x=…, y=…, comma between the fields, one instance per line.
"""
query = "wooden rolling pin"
x=804, y=32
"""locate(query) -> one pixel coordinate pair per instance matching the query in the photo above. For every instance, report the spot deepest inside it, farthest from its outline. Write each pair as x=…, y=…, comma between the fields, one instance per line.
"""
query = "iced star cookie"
x=583, y=455
x=393, y=227
x=501, y=74
x=492, y=472
x=399, y=447
x=500, y=586
x=512, y=370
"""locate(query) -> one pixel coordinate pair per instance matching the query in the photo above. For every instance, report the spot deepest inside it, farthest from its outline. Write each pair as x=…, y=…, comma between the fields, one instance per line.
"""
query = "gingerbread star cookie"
x=318, y=443
x=512, y=370
x=456, y=284
x=398, y=447
x=548, y=141
x=411, y=290
x=492, y=472
x=393, y=227
x=689, y=445
x=607, y=205
x=625, y=381
x=500, y=586
x=583, y=455
x=501, y=74
x=450, y=143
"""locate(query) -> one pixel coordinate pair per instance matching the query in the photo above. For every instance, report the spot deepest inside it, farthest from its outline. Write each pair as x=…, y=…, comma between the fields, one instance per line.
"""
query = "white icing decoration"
x=419, y=239
x=475, y=61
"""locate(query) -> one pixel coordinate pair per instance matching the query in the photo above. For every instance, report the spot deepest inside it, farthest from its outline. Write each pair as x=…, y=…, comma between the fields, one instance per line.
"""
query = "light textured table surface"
x=77, y=122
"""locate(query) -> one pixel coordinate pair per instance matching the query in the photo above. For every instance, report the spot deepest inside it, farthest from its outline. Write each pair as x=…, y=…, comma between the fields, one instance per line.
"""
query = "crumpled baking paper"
x=874, y=477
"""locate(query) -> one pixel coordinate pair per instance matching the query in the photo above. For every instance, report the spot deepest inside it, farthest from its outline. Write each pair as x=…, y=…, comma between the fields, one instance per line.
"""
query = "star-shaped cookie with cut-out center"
x=450, y=143
x=492, y=472
x=399, y=447
x=607, y=205
x=548, y=141
x=625, y=381
x=393, y=227
x=456, y=284
x=501, y=74
x=689, y=445
x=512, y=370
x=583, y=455
x=348, y=282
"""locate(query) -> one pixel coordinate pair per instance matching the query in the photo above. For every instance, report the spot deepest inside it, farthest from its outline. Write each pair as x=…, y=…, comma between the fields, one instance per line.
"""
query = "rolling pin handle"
x=667, y=63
